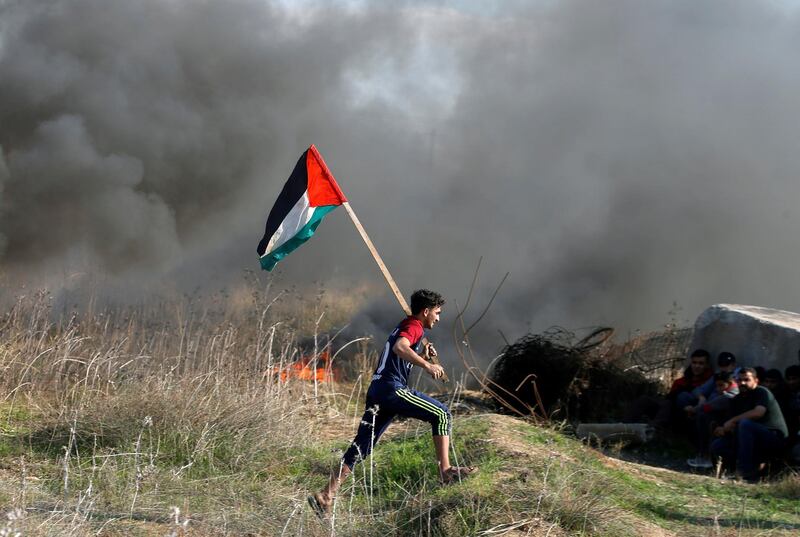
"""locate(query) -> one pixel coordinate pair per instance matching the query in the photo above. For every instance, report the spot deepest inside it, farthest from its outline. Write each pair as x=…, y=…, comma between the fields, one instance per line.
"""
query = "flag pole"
x=385, y=271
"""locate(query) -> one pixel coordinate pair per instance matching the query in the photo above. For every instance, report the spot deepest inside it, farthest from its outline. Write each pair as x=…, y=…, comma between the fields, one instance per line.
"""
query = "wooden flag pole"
x=385, y=271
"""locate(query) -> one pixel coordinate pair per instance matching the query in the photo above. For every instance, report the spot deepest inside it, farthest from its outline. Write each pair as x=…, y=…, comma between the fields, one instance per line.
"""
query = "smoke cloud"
x=615, y=157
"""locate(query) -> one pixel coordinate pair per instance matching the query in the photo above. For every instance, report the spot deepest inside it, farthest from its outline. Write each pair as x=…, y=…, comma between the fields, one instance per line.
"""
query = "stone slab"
x=755, y=335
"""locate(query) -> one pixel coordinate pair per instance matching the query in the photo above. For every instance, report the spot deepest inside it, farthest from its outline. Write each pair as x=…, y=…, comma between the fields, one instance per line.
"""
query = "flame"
x=303, y=369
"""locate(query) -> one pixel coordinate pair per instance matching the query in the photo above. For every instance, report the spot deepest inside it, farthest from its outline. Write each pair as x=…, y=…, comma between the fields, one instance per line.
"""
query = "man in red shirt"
x=389, y=396
x=661, y=412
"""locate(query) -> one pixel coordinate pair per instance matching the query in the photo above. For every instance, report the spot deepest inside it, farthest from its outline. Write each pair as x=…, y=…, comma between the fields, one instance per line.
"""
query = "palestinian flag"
x=310, y=193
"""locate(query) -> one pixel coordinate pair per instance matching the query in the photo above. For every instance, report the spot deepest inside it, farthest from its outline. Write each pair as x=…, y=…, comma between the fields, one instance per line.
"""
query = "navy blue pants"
x=752, y=444
x=385, y=401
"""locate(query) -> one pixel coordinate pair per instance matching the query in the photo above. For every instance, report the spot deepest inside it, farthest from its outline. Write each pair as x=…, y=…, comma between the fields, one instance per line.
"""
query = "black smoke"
x=615, y=157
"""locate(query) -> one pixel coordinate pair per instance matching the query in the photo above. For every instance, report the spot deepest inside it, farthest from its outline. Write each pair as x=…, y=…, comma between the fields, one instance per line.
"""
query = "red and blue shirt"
x=392, y=368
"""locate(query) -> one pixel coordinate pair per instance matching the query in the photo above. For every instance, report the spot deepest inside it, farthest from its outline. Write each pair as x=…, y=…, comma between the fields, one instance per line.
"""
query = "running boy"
x=389, y=396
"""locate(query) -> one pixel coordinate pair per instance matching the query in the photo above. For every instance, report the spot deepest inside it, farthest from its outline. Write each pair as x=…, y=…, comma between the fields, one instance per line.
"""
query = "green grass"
x=15, y=423
x=193, y=420
x=682, y=502
x=526, y=472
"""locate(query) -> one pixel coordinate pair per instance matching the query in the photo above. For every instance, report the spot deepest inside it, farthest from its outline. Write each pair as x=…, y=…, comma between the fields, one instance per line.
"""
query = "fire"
x=303, y=369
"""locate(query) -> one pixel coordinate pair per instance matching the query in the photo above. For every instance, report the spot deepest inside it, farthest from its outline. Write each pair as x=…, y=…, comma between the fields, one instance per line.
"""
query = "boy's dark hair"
x=701, y=353
x=792, y=371
x=723, y=376
x=425, y=298
x=697, y=353
x=725, y=359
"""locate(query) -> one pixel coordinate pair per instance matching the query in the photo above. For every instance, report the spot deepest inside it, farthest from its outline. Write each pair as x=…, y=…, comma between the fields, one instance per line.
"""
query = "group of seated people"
x=739, y=416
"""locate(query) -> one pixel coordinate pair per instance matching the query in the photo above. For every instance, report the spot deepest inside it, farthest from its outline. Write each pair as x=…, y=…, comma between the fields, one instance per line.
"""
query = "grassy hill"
x=175, y=425
x=243, y=465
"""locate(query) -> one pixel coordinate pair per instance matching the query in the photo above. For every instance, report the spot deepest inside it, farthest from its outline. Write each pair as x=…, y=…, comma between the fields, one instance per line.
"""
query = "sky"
x=617, y=158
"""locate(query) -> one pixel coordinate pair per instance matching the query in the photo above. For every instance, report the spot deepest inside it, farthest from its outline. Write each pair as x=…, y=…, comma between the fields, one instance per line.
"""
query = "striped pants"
x=385, y=401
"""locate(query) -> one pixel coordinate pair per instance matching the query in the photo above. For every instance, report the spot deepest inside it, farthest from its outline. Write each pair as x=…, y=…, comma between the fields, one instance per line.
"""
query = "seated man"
x=755, y=432
x=792, y=417
x=726, y=362
x=658, y=410
x=792, y=378
x=707, y=415
x=773, y=381
x=696, y=375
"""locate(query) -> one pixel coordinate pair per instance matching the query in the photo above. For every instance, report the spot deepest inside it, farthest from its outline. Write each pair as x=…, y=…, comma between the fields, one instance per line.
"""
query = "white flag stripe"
x=298, y=217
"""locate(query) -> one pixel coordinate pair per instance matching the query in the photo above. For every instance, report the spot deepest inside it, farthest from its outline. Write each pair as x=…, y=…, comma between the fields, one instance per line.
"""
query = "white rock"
x=755, y=335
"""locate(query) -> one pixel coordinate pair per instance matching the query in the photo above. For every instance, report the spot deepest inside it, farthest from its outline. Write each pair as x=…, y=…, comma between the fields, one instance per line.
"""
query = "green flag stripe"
x=269, y=261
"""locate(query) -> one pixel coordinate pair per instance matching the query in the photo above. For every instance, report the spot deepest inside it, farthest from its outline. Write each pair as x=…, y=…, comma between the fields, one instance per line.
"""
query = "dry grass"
x=168, y=421
x=114, y=419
